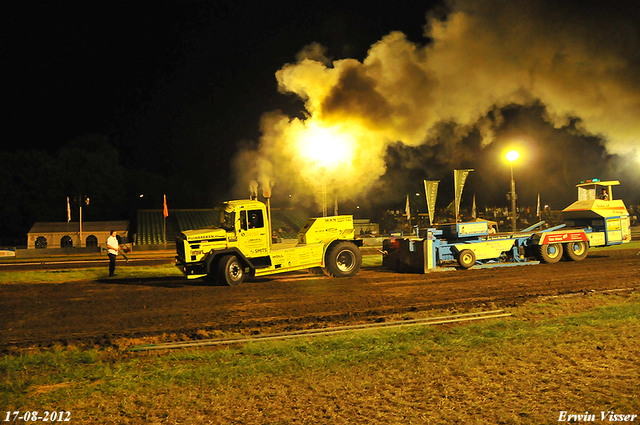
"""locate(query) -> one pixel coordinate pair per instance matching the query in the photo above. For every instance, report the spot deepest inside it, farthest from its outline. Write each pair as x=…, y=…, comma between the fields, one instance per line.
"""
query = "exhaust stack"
x=266, y=192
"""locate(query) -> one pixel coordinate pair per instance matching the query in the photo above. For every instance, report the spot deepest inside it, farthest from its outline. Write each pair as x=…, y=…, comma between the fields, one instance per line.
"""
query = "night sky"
x=182, y=88
x=172, y=83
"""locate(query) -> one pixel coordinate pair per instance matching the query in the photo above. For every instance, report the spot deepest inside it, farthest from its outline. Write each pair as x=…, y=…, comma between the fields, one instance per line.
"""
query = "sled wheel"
x=551, y=253
x=576, y=251
x=466, y=259
x=230, y=270
x=343, y=260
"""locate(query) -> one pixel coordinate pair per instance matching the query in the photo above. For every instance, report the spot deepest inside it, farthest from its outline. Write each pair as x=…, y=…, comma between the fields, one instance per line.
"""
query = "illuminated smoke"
x=253, y=189
x=580, y=61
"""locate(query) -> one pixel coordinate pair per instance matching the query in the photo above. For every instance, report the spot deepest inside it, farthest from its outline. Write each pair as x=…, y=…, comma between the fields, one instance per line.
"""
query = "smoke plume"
x=577, y=63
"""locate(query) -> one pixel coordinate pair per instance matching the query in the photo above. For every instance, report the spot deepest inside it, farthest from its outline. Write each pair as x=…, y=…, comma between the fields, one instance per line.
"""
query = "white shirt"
x=112, y=241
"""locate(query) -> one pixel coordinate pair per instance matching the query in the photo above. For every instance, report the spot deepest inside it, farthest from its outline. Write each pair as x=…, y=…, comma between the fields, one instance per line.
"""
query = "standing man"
x=112, y=251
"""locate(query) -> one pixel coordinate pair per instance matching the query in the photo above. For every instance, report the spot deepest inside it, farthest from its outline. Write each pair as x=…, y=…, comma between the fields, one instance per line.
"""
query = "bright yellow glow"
x=327, y=147
x=512, y=155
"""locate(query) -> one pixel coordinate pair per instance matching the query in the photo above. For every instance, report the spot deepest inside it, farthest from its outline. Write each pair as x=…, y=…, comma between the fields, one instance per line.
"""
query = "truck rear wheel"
x=343, y=260
x=551, y=253
x=467, y=258
x=576, y=251
x=230, y=271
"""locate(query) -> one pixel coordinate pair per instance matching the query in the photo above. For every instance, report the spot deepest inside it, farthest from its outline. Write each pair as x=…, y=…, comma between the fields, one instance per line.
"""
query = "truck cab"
x=605, y=219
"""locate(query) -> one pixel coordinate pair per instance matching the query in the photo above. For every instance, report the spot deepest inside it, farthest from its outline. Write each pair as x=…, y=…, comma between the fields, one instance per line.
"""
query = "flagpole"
x=80, y=232
x=165, y=213
x=68, y=214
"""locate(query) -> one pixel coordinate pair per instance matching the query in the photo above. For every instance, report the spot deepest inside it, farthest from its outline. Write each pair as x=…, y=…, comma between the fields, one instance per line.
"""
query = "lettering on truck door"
x=614, y=230
x=253, y=231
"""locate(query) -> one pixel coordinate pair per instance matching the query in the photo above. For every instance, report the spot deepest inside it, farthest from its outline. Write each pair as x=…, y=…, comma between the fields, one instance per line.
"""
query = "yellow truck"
x=241, y=245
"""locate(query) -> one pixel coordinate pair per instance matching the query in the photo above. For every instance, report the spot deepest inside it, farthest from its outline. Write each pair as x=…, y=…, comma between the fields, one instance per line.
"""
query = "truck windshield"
x=227, y=220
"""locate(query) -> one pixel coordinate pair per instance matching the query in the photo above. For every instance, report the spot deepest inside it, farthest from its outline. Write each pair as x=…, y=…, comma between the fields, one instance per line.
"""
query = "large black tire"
x=343, y=260
x=230, y=271
x=467, y=258
x=551, y=253
x=576, y=251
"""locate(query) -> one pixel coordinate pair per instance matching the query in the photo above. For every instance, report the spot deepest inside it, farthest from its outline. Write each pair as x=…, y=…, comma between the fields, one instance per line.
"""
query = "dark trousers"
x=112, y=264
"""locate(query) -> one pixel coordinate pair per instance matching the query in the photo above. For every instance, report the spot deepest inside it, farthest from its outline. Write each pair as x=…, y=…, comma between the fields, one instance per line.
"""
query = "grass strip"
x=629, y=245
x=567, y=354
x=123, y=272
x=87, y=274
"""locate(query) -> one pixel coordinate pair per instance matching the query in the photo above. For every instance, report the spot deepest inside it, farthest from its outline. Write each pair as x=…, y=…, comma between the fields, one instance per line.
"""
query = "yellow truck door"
x=253, y=233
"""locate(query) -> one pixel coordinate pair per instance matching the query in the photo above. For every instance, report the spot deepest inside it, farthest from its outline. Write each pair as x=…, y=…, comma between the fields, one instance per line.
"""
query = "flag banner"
x=459, y=179
x=68, y=210
x=538, y=207
x=473, y=209
x=165, y=210
x=431, y=192
x=407, y=209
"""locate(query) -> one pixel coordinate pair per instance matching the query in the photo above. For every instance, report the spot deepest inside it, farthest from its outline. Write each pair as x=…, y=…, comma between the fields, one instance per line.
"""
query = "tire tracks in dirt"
x=98, y=313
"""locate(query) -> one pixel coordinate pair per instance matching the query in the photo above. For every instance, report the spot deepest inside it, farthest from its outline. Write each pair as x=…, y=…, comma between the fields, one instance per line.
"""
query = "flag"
x=165, y=210
x=538, y=208
x=431, y=192
x=68, y=210
x=459, y=178
x=473, y=209
x=407, y=209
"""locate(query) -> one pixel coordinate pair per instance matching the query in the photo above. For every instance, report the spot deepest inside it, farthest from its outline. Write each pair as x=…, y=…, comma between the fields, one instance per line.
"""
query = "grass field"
x=572, y=354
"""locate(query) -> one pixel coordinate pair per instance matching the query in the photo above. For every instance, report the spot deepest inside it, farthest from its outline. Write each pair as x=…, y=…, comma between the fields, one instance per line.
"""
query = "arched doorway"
x=66, y=242
x=92, y=241
x=41, y=242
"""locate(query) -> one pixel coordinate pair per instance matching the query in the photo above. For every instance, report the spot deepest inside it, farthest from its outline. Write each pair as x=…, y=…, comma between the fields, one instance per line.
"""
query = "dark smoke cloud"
x=553, y=161
x=559, y=80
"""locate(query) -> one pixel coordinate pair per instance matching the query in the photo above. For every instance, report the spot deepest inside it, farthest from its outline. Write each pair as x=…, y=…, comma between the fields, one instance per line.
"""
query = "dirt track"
x=96, y=313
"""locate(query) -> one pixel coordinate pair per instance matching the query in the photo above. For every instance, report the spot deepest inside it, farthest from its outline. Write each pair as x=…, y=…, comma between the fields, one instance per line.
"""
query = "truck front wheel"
x=550, y=253
x=343, y=260
x=230, y=270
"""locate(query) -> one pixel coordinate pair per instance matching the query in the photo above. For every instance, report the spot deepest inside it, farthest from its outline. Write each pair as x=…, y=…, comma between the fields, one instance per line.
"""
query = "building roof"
x=74, y=227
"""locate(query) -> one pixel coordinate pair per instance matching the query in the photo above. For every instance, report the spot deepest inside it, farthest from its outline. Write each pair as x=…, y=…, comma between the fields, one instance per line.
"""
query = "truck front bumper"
x=191, y=270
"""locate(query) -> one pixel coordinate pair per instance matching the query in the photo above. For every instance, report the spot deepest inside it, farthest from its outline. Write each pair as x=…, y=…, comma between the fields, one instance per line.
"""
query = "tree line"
x=36, y=183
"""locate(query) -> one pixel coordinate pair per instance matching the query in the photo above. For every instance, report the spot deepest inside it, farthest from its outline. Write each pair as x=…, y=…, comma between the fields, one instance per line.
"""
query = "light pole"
x=512, y=156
